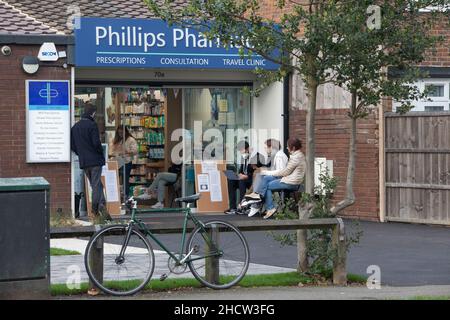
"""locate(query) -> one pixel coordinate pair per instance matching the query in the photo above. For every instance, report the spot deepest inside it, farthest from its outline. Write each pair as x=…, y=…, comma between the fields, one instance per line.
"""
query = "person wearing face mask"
x=277, y=161
x=288, y=178
x=246, y=170
x=124, y=149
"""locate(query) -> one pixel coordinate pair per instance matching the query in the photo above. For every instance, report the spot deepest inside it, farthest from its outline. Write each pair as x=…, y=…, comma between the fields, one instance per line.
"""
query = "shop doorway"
x=152, y=115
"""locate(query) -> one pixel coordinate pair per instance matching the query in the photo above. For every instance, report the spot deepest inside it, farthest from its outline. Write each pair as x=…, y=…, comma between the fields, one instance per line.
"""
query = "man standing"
x=85, y=142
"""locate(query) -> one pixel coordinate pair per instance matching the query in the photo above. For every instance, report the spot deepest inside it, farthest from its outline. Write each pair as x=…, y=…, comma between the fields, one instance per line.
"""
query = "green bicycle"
x=129, y=260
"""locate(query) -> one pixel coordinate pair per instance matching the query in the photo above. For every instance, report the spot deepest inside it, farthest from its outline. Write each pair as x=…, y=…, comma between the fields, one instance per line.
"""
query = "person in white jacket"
x=278, y=161
x=289, y=178
x=278, y=158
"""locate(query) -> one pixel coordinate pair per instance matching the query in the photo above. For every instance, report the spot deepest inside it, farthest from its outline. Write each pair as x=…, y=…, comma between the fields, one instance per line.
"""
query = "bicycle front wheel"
x=219, y=254
x=123, y=274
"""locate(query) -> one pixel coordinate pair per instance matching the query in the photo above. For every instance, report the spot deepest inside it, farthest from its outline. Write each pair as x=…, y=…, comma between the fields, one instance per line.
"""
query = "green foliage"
x=319, y=242
x=367, y=56
x=323, y=40
x=430, y=298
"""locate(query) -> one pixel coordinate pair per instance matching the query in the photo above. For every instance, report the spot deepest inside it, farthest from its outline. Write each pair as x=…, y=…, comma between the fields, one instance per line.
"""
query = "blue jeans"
x=261, y=184
x=276, y=185
x=160, y=182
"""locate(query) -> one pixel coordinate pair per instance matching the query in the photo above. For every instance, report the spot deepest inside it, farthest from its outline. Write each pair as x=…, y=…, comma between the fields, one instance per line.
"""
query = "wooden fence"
x=417, y=147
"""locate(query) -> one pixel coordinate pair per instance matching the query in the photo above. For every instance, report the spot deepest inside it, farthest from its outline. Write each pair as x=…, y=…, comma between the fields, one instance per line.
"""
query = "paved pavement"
x=71, y=268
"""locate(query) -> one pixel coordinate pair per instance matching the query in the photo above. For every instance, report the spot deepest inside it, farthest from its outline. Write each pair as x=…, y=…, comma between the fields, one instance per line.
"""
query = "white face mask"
x=245, y=156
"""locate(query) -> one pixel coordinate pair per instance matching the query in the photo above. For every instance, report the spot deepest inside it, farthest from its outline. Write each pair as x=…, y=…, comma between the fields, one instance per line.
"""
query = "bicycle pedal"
x=163, y=277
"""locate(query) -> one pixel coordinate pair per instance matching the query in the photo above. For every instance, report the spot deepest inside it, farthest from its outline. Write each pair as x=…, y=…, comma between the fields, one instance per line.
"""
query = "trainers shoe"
x=157, y=205
x=144, y=196
x=231, y=211
x=253, y=211
x=253, y=195
x=246, y=203
x=270, y=213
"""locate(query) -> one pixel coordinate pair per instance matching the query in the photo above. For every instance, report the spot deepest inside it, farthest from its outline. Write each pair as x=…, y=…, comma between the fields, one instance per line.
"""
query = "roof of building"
x=14, y=21
x=51, y=17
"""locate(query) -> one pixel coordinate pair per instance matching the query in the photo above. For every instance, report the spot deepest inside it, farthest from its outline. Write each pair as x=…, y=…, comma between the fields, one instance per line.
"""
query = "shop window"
x=152, y=114
x=223, y=109
x=141, y=111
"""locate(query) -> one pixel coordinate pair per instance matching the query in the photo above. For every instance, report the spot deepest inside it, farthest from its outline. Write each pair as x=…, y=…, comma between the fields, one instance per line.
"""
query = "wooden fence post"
x=339, y=263
x=96, y=257
x=212, y=263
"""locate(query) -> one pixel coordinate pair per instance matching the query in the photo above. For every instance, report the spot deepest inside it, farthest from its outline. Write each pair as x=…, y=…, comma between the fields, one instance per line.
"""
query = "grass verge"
x=430, y=298
x=249, y=281
x=63, y=252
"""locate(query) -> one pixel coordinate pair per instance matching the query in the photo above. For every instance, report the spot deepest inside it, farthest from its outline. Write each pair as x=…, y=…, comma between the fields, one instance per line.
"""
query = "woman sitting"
x=288, y=178
x=123, y=152
x=278, y=161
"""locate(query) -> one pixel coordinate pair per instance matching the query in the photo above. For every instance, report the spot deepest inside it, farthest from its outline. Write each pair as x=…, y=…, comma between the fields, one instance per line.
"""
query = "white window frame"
x=434, y=101
x=436, y=82
x=435, y=104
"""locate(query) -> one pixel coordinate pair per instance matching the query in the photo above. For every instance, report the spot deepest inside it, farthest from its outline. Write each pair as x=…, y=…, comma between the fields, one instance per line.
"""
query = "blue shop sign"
x=150, y=43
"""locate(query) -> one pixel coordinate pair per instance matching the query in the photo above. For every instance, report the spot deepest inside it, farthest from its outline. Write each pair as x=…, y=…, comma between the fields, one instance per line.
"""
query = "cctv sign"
x=48, y=52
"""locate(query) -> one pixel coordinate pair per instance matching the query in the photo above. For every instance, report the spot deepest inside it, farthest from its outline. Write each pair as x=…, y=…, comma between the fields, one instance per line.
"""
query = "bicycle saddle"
x=189, y=199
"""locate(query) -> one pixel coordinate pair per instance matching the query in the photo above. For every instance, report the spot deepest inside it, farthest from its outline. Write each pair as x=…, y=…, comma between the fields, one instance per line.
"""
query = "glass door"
x=212, y=118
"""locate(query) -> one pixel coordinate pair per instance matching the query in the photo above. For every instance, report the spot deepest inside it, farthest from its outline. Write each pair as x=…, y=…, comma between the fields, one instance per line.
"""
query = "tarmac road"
x=407, y=254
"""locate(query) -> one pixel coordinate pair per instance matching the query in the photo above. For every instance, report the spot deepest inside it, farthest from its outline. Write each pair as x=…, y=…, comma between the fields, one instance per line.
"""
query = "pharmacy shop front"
x=159, y=81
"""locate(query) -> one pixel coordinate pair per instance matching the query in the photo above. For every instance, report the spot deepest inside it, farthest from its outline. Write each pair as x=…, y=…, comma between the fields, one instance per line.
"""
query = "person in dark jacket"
x=85, y=142
x=246, y=170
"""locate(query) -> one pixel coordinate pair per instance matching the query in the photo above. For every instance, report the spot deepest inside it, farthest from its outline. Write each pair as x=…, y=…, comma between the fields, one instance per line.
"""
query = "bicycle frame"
x=187, y=216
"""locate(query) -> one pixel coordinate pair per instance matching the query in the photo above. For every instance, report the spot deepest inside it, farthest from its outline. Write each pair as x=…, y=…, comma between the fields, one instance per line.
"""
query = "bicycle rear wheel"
x=221, y=246
x=122, y=275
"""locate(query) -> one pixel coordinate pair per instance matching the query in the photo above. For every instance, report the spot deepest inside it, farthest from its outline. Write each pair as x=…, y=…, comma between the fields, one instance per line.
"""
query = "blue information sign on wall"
x=48, y=121
x=48, y=95
x=150, y=43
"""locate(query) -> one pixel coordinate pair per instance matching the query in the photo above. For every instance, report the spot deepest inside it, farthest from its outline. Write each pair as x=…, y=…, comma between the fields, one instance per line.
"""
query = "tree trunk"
x=304, y=211
x=349, y=194
x=310, y=135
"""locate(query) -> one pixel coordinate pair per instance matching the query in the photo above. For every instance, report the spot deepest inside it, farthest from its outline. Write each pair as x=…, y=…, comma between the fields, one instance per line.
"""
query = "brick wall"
x=13, y=131
x=332, y=137
x=440, y=57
